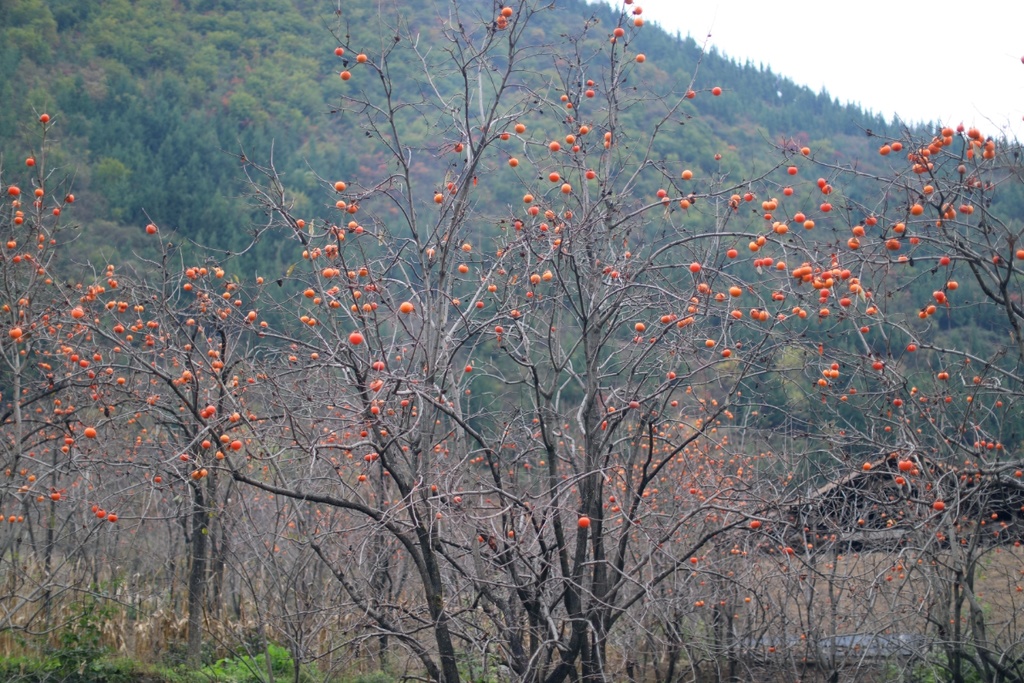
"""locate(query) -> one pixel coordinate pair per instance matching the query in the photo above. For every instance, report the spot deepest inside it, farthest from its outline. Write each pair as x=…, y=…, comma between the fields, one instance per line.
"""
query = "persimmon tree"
x=956, y=404
x=922, y=468
x=181, y=340
x=532, y=400
x=44, y=425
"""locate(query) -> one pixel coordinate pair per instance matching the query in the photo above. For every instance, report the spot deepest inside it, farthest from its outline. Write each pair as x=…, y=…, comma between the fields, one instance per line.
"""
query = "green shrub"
x=374, y=677
x=248, y=668
x=79, y=655
x=27, y=670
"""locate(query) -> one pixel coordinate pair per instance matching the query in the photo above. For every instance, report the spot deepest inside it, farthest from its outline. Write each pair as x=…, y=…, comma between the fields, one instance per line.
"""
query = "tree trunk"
x=197, y=579
x=51, y=523
x=219, y=546
x=435, y=603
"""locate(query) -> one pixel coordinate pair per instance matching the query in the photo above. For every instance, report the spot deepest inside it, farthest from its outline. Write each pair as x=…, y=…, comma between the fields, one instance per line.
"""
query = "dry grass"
x=857, y=594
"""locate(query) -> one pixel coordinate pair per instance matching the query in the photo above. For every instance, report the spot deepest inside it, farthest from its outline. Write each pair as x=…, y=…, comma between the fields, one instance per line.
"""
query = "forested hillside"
x=470, y=341
x=157, y=99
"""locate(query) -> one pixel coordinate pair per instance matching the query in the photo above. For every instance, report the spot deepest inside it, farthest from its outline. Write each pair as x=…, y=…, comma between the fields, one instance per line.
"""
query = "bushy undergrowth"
x=79, y=660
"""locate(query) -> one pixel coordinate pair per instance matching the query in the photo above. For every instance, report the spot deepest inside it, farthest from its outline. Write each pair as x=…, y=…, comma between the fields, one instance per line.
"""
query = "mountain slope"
x=157, y=98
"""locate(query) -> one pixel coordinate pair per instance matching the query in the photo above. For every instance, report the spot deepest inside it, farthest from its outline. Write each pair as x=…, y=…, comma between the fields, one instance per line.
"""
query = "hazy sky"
x=936, y=61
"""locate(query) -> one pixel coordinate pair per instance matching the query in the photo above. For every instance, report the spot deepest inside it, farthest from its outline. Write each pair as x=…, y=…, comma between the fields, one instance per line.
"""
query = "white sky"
x=937, y=61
